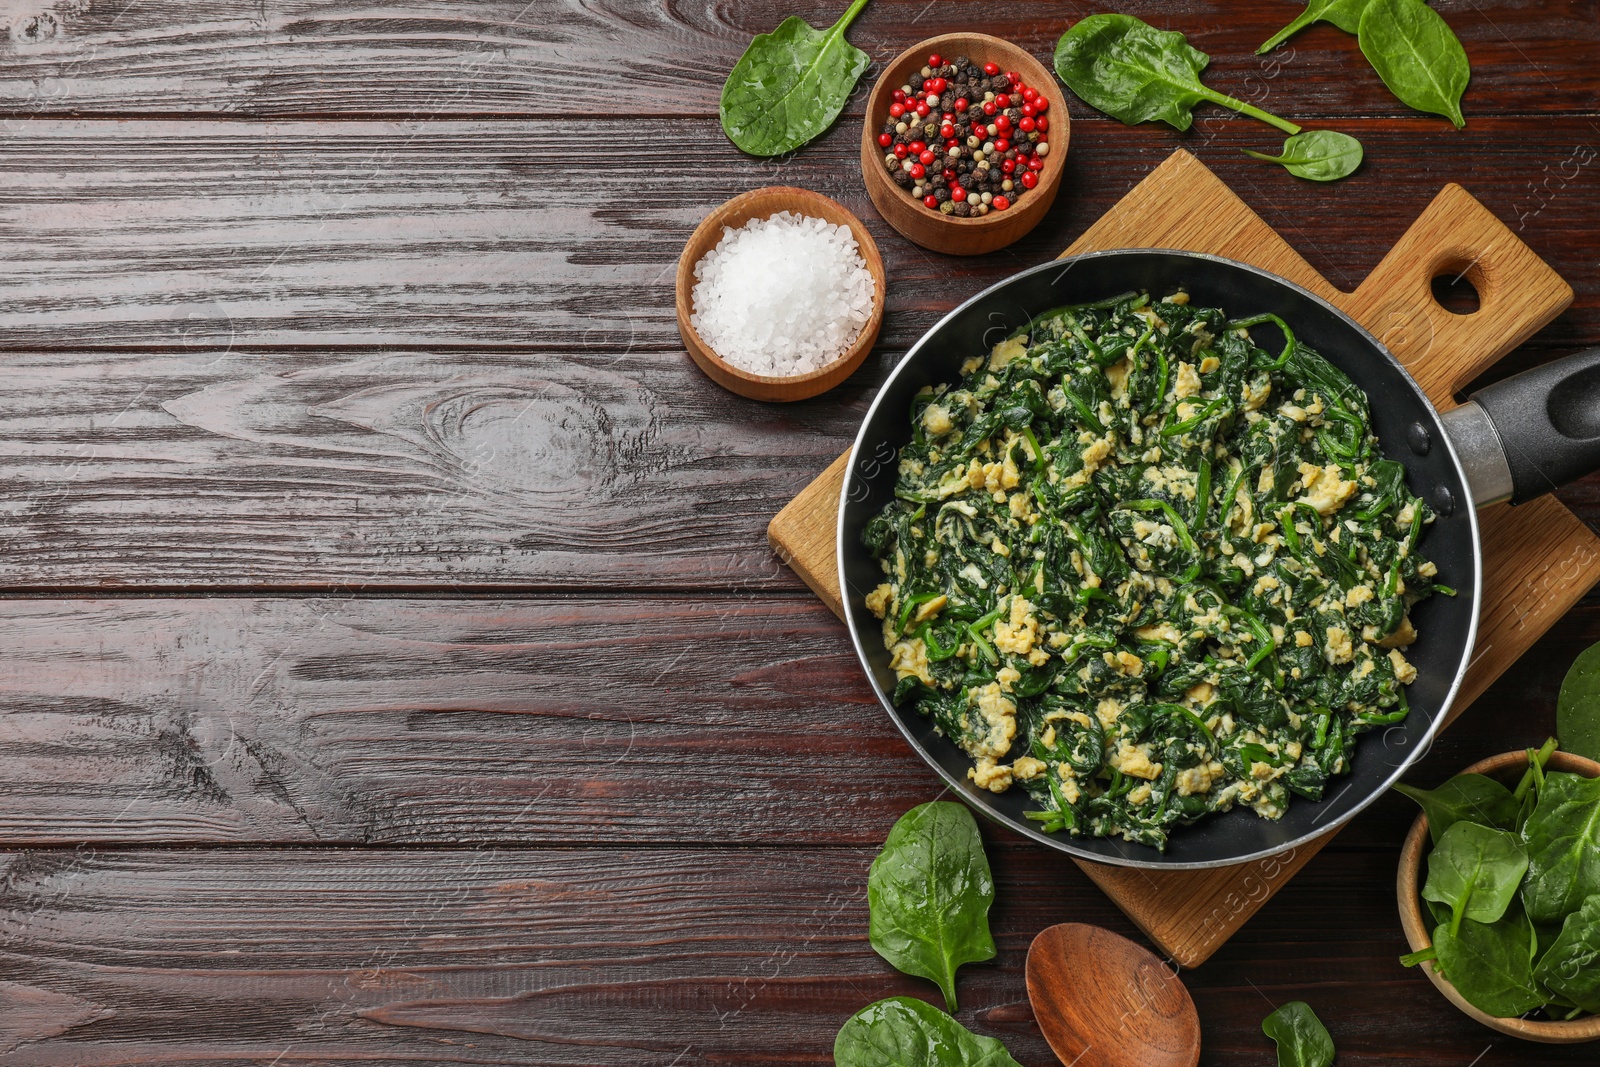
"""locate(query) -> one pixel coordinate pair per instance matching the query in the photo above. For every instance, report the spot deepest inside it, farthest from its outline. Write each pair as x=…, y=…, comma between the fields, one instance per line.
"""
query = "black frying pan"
x=1515, y=440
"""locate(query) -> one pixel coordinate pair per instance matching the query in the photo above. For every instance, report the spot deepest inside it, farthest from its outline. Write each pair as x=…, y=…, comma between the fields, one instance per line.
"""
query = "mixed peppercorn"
x=965, y=139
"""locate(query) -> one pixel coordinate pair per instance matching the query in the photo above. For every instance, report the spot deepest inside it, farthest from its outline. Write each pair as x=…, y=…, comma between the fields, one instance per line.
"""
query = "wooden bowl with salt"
x=763, y=204
x=948, y=233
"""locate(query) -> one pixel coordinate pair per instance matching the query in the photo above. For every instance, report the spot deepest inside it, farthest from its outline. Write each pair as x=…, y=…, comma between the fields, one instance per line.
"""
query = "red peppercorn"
x=923, y=109
x=1003, y=100
x=1002, y=145
x=1008, y=166
x=1000, y=203
x=991, y=69
x=1028, y=111
x=900, y=151
x=916, y=147
x=949, y=174
x=927, y=156
x=1042, y=124
x=1035, y=163
x=947, y=131
x=1016, y=79
x=935, y=85
x=1041, y=105
x=931, y=201
x=936, y=60
x=886, y=139
x=899, y=96
x=1027, y=124
x=957, y=193
x=962, y=104
x=1002, y=123
x=918, y=170
x=1029, y=179
x=951, y=145
x=988, y=107
x=1030, y=95
x=896, y=110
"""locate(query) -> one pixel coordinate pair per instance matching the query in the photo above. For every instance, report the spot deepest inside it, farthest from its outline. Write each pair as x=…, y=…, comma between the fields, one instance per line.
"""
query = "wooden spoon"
x=1103, y=1001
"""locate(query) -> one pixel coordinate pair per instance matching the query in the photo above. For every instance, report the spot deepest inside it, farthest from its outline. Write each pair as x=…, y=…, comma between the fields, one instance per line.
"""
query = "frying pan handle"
x=1547, y=422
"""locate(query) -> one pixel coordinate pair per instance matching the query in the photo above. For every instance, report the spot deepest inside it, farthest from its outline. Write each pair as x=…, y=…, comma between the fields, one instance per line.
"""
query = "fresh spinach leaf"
x=1320, y=155
x=928, y=895
x=1134, y=72
x=1466, y=797
x=790, y=85
x=1491, y=964
x=1417, y=55
x=1563, y=839
x=1578, y=707
x=906, y=1032
x=1302, y=1039
x=1345, y=14
x=1571, y=966
x=1476, y=871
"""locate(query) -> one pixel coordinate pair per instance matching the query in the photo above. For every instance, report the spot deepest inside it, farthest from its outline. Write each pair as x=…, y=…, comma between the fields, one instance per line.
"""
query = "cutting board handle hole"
x=1454, y=290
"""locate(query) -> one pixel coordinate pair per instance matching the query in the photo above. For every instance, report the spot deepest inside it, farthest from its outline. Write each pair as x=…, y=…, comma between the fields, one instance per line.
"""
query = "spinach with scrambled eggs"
x=1146, y=569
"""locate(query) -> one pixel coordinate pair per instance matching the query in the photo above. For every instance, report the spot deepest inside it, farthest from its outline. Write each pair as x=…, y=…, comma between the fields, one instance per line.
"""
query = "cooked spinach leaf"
x=1302, y=1039
x=790, y=85
x=1578, y=707
x=1563, y=839
x=1320, y=155
x=1417, y=55
x=906, y=1032
x=1134, y=72
x=1570, y=968
x=929, y=893
x=1476, y=871
x=1466, y=797
x=1345, y=14
x=1491, y=964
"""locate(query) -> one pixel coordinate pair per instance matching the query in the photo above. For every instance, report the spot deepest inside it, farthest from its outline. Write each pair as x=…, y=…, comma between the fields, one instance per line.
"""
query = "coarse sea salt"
x=782, y=296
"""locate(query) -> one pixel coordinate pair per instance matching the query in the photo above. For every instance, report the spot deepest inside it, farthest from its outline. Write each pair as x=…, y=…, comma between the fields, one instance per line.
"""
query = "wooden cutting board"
x=1539, y=559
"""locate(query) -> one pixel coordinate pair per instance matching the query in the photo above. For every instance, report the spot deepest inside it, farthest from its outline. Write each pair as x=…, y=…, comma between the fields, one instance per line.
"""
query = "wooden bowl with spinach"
x=1499, y=891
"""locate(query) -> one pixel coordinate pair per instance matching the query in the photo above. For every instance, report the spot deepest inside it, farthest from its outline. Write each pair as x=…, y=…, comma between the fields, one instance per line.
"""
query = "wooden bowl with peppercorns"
x=964, y=181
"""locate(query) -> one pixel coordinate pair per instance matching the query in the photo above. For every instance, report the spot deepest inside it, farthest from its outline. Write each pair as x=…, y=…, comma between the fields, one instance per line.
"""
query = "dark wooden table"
x=394, y=669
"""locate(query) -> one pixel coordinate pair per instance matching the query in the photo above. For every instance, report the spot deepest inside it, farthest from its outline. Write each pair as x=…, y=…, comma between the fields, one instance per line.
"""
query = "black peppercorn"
x=941, y=193
x=963, y=210
x=915, y=81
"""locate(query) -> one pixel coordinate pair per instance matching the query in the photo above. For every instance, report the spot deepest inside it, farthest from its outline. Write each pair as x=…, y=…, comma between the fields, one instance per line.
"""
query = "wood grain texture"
x=518, y=722
x=334, y=57
x=633, y=957
x=337, y=722
x=396, y=469
x=427, y=346
x=1544, y=558
x=198, y=234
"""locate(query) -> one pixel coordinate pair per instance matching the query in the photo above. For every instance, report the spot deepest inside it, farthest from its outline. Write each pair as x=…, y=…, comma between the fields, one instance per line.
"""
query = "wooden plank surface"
x=305, y=301
x=517, y=723
x=308, y=57
x=376, y=470
x=226, y=234
x=703, y=957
